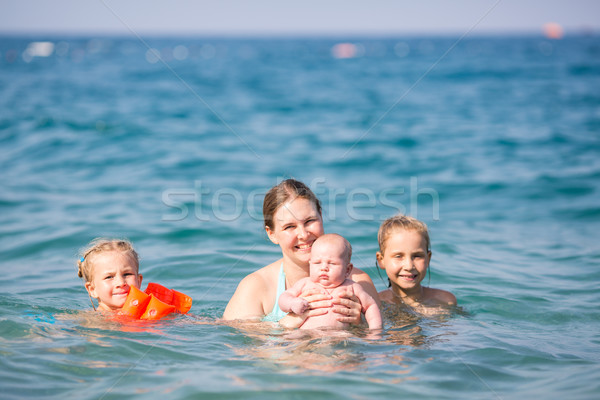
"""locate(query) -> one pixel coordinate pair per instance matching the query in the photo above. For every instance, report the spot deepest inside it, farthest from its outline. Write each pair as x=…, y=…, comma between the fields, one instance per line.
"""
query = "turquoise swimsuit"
x=277, y=314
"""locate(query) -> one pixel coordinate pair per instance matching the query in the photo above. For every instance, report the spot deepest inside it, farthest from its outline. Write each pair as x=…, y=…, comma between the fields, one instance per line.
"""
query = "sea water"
x=172, y=142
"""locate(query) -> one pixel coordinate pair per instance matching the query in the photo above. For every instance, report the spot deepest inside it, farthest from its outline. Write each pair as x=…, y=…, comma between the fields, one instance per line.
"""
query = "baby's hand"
x=299, y=306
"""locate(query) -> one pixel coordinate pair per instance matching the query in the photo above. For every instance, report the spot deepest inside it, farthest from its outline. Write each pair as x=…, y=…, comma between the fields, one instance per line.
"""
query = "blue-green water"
x=494, y=142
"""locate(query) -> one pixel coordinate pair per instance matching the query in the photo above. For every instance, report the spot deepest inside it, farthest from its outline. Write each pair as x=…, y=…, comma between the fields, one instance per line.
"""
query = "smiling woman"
x=293, y=221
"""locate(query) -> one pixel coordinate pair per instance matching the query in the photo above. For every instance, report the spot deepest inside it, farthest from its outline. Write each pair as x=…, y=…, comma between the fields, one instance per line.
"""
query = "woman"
x=293, y=220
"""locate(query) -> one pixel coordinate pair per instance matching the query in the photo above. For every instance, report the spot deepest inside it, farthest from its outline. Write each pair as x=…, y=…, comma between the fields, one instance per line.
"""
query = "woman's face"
x=297, y=224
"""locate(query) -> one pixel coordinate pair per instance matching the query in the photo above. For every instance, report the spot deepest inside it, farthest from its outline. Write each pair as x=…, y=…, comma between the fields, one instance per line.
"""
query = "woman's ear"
x=271, y=235
x=379, y=259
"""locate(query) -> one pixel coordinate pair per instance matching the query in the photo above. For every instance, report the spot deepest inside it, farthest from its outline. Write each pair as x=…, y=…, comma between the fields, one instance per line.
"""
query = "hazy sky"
x=234, y=17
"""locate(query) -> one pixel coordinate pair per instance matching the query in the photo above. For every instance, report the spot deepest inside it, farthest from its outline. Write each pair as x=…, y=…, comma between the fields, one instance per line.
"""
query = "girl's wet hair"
x=401, y=222
x=97, y=246
x=278, y=195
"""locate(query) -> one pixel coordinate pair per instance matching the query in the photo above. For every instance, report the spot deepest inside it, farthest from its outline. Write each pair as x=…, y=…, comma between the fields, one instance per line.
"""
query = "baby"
x=330, y=268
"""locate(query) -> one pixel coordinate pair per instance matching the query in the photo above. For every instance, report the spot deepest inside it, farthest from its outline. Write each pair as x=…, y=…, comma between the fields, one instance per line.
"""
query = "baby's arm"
x=369, y=307
x=289, y=301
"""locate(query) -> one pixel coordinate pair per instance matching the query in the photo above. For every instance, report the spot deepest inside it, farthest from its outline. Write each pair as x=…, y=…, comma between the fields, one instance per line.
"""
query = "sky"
x=282, y=17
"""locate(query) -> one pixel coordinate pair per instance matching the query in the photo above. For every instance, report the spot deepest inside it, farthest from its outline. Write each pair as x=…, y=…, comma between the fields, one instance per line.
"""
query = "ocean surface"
x=172, y=143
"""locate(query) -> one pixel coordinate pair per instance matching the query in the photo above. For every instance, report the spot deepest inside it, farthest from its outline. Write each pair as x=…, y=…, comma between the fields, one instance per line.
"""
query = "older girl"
x=404, y=253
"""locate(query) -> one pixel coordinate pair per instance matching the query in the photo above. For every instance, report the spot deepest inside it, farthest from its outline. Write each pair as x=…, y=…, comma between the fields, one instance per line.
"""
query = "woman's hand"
x=348, y=306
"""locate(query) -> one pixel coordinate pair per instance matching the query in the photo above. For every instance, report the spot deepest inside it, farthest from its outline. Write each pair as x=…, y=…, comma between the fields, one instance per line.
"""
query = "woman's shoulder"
x=263, y=277
x=358, y=275
x=253, y=294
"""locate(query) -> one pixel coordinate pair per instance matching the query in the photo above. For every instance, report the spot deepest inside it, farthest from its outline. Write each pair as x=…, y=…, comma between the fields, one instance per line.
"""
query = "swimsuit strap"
x=276, y=314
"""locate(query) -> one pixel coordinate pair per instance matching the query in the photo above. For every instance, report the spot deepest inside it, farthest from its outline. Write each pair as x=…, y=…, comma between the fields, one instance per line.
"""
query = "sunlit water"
x=494, y=142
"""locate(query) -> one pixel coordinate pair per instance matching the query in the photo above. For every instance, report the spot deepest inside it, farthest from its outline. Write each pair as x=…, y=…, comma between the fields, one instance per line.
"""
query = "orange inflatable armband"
x=156, y=302
x=157, y=309
x=182, y=302
x=136, y=303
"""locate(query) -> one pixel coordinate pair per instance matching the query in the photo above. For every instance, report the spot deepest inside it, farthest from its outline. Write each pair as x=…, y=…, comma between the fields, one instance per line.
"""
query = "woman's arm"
x=247, y=301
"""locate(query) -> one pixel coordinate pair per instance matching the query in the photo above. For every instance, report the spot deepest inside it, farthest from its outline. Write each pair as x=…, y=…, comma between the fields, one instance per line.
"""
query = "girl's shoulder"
x=386, y=296
x=439, y=296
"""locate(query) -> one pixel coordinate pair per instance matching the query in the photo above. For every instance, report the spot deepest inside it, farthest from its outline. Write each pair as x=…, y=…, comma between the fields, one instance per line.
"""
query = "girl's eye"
x=108, y=277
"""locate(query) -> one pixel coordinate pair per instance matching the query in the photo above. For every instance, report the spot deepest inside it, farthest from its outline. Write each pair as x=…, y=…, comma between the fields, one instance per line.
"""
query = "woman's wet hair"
x=280, y=194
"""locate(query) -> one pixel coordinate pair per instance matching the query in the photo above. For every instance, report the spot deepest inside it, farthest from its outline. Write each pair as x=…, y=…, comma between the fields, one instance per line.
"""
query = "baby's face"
x=328, y=264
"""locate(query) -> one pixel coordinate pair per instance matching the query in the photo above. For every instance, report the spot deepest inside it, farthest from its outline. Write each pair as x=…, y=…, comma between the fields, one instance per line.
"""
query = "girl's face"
x=405, y=259
x=297, y=224
x=114, y=273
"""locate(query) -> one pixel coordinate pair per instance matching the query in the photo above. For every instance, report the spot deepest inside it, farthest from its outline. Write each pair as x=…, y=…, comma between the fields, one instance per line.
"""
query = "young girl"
x=404, y=253
x=110, y=268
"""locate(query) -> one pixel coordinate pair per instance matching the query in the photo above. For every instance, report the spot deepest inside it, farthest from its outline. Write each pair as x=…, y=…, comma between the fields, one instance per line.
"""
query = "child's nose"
x=119, y=280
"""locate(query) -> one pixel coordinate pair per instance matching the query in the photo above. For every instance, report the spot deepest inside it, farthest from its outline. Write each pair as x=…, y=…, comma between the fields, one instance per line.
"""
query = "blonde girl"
x=404, y=253
x=109, y=268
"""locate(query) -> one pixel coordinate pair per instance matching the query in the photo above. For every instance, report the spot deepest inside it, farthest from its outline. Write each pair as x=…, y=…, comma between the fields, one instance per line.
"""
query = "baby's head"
x=109, y=268
x=330, y=260
x=401, y=223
